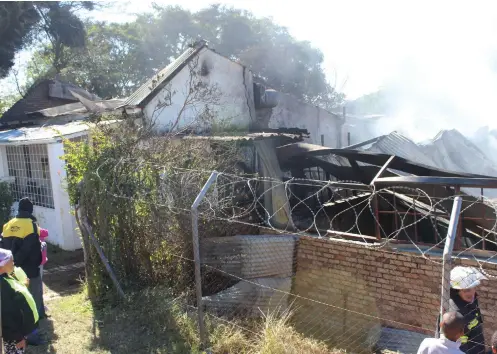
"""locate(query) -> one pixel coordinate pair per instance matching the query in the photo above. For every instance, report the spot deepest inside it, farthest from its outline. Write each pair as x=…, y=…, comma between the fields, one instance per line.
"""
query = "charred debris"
x=375, y=197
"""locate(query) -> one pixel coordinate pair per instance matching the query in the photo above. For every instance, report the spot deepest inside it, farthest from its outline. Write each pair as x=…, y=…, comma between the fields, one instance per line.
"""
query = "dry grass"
x=151, y=323
x=277, y=336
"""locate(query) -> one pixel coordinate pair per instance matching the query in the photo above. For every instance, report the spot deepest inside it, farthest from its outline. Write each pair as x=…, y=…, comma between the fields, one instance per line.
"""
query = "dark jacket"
x=19, y=314
x=21, y=236
x=473, y=341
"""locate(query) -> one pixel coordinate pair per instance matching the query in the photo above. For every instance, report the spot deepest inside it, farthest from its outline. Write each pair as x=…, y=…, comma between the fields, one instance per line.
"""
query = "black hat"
x=26, y=205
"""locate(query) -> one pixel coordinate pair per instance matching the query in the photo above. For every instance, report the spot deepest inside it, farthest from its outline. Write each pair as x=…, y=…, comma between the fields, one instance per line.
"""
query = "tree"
x=120, y=57
x=6, y=102
x=372, y=103
x=278, y=59
x=17, y=20
x=22, y=22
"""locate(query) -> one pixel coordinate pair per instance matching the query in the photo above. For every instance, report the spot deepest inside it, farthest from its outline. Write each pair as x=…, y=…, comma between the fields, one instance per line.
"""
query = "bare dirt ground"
x=63, y=274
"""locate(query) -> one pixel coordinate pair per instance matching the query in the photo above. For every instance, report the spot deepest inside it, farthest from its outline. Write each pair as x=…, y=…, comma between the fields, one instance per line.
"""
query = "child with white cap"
x=19, y=313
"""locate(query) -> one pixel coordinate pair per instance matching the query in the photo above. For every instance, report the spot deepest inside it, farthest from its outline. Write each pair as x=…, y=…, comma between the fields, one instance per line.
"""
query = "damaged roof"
x=301, y=150
x=42, y=95
x=76, y=108
x=398, y=145
x=46, y=133
x=247, y=137
x=150, y=88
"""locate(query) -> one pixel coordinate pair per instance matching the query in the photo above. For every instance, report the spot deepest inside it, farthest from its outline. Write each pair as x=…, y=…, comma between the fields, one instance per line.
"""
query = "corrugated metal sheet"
x=251, y=299
x=77, y=108
x=267, y=260
x=246, y=137
x=250, y=256
x=36, y=98
x=397, y=144
x=158, y=81
x=43, y=134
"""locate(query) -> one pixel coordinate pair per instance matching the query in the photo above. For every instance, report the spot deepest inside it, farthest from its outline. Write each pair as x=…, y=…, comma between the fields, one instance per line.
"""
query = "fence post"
x=447, y=258
x=196, y=256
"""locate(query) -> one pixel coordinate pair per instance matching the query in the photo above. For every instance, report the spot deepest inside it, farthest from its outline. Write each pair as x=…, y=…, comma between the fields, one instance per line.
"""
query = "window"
x=29, y=166
x=316, y=173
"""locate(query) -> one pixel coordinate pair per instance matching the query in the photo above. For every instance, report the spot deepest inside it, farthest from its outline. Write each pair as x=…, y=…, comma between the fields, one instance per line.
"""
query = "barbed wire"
x=223, y=203
x=316, y=209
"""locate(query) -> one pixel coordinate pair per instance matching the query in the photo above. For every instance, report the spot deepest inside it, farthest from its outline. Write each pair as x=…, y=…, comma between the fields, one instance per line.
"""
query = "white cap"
x=5, y=256
x=465, y=277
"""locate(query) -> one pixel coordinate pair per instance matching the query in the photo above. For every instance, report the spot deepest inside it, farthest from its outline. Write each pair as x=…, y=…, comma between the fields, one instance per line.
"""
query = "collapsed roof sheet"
x=76, y=108
x=398, y=145
x=42, y=95
x=245, y=137
x=448, y=151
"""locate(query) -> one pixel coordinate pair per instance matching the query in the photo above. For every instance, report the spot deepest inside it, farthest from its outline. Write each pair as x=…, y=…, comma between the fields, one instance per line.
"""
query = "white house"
x=30, y=160
x=199, y=82
x=31, y=144
x=202, y=81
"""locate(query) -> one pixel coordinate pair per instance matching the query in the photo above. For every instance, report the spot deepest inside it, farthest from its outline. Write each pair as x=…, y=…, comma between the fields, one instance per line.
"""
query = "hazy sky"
x=441, y=55
x=369, y=43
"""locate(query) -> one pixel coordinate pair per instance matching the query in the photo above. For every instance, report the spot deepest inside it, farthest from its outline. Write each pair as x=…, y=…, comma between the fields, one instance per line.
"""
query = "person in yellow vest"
x=21, y=277
x=19, y=313
x=21, y=236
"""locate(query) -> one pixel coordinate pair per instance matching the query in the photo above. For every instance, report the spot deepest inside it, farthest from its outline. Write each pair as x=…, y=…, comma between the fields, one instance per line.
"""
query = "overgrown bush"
x=6, y=201
x=136, y=191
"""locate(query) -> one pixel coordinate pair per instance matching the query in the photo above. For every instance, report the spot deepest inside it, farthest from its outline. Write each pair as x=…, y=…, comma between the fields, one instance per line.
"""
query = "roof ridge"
x=157, y=81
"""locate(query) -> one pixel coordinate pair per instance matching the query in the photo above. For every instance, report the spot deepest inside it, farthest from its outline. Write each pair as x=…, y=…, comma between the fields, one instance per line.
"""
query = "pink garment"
x=44, y=253
x=43, y=234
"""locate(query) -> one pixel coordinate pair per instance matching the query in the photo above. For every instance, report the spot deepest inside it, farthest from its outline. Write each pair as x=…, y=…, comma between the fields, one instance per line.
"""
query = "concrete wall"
x=230, y=101
x=376, y=287
x=59, y=221
x=292, y=113
x=65, y=230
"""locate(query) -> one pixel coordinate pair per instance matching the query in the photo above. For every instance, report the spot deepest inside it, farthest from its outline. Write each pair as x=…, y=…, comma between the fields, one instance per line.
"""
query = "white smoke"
x=446, y=76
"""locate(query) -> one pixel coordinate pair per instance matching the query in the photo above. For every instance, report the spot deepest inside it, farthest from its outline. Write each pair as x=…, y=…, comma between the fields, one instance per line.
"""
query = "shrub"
x=136, y=191
x=6, y=201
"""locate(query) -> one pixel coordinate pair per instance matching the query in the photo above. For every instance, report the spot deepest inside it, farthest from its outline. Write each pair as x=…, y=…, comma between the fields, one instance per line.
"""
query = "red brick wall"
x=375, y=286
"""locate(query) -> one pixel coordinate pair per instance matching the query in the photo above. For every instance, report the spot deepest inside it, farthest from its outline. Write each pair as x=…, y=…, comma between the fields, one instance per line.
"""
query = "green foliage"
x=6, y=102
x=6, y=201
x=22, y=22
x=134, y=189
x=17, y=20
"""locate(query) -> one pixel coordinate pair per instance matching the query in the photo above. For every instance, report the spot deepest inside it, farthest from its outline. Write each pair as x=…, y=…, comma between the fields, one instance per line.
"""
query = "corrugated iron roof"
x=397, y=144
x=158, y=81
x=45, y=133
x=246, y=137
x=77, y=108
x=38, y=98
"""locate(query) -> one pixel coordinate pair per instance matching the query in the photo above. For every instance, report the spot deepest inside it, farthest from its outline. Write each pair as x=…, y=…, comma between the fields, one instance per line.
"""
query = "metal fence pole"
x=196, y=256
x=447, y=258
